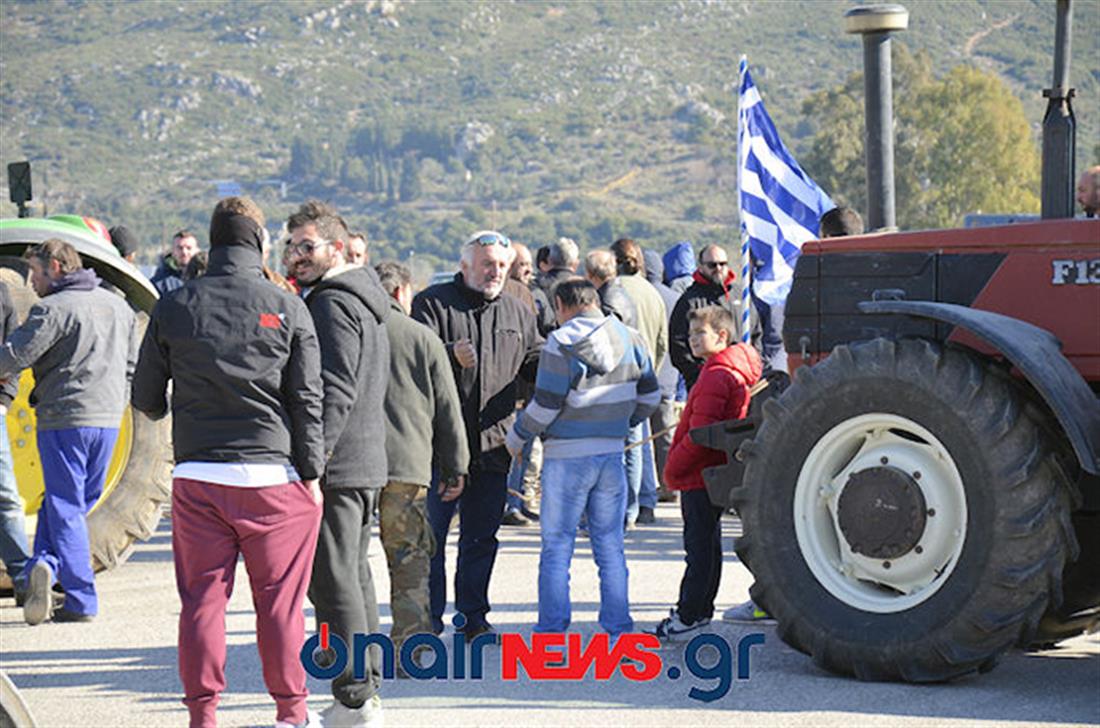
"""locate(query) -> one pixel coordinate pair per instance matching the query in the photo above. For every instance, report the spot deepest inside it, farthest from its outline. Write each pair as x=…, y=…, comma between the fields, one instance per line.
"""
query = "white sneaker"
x=38, y=604
x=367, y=715
x=313, y=720
x=747, y=613
x=673, y=629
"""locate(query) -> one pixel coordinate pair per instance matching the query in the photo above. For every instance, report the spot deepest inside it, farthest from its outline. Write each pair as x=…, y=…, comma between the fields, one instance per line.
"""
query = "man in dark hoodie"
x=169, y=273
x=349, y=309
x=712, y=285
x=79, y=342
x=245, y=368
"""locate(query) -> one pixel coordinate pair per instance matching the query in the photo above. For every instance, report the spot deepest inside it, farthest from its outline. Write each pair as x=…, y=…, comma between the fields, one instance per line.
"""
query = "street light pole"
x=875, y=23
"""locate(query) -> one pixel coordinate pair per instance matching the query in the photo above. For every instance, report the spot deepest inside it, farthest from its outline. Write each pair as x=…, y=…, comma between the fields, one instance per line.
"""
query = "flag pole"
x=746, y=263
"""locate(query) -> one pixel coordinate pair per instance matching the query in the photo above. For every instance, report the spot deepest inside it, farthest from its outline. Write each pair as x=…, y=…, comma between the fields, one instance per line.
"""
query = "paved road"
x=121, y=669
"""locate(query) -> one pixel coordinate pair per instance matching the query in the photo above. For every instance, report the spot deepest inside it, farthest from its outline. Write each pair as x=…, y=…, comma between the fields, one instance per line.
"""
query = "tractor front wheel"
x=903, y=517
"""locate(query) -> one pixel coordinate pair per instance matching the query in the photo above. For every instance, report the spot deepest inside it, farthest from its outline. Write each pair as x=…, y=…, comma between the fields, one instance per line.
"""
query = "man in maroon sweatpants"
x=246, y=424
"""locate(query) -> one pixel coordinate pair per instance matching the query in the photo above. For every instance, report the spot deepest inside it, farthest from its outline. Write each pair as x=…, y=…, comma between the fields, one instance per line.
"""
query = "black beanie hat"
x=124, y=240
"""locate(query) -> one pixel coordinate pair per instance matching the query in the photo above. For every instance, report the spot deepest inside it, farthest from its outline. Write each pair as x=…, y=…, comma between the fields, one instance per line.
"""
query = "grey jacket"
x=81, y=344
x=349, y=311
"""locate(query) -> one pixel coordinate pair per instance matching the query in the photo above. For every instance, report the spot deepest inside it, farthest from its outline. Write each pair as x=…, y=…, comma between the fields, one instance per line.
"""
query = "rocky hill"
x=422, y=120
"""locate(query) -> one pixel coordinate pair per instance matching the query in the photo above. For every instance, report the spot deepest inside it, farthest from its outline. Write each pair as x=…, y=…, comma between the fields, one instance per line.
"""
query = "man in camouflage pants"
x=423, y=419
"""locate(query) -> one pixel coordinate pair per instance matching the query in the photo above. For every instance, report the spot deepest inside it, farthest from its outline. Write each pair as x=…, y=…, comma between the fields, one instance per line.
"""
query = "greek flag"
x=780, y=204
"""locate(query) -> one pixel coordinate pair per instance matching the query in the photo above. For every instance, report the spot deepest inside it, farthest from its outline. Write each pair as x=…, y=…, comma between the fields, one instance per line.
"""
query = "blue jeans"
x=641, y=475
x=771, y=325
x=481, y=506
x=13, y=526
x=515, y=479
x=74, y=463
x=594, y=486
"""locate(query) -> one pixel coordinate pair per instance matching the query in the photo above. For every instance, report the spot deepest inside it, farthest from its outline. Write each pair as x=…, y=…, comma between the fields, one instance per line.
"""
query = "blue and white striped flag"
x=780, y=204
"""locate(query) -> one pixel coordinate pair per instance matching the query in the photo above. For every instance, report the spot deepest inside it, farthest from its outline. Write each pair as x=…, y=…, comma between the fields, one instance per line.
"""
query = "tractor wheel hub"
x=881, y=512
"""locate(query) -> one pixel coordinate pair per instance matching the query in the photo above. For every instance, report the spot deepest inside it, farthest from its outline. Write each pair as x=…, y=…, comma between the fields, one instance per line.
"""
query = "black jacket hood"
x=363, y=283
x=236, y=244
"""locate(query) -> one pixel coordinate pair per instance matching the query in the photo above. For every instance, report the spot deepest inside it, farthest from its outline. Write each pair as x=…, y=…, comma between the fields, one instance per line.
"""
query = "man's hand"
x=314, y=486
x=465, y=353
x=451, y=488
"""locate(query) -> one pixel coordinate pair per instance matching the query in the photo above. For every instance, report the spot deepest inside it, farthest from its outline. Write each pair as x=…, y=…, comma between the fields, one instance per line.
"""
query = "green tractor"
x=138, y=479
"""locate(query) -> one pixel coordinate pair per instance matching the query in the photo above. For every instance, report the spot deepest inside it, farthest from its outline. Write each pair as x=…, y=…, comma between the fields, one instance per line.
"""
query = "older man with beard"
x=491, y=338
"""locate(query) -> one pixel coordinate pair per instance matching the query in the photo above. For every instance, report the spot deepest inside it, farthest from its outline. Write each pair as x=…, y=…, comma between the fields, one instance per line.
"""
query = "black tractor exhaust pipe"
x=1059, y=125
x=875, y=23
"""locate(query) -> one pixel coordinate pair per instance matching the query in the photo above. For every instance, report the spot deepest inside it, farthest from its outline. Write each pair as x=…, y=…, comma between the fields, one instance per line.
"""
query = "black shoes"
x=476, y=630
x=64, y=615
x=513, y=518
x=646, y=516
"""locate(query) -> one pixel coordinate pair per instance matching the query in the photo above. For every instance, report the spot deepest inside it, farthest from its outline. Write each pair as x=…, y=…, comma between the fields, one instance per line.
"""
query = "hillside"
x=421, y=120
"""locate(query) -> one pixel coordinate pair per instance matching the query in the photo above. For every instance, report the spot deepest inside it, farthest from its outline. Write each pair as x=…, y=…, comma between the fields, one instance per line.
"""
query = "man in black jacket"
x=712, y=285
x=599, y=269
x=490, y=338
x=245, y=367
x=562, y=259
x=349, y=310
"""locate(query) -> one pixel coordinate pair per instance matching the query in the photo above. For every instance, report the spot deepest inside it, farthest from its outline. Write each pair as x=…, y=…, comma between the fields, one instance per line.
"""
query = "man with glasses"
x=349, y=309
x=491, y=339
x=712, y=285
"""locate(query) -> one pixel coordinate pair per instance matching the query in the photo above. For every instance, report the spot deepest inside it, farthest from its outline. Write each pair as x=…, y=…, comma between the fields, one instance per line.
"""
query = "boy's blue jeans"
x=595, y=486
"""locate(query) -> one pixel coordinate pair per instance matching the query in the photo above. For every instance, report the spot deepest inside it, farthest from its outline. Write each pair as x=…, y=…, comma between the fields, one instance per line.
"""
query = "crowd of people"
x=306, y=408
x=529, y=388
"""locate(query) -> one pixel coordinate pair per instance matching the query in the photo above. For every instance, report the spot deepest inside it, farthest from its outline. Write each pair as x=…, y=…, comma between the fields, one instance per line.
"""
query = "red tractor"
x=927, y=495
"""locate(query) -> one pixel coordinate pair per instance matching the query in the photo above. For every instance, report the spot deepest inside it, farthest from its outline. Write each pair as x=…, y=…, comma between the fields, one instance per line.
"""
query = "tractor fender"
x=1037, y=353
x=99, y=255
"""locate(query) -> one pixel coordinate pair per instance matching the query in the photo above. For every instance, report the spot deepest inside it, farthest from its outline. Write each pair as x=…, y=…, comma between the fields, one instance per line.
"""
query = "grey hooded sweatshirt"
x=81, y=345
x=349, y=310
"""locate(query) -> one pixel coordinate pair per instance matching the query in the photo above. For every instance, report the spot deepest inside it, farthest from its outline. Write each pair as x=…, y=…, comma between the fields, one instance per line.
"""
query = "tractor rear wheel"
x=903, y=515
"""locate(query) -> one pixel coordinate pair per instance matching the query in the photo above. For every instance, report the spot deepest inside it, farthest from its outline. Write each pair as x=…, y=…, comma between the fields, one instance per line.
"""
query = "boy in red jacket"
x=720, y=393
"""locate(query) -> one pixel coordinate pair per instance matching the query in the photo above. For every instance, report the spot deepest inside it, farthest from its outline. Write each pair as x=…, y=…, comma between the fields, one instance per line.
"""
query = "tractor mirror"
x=19, y=183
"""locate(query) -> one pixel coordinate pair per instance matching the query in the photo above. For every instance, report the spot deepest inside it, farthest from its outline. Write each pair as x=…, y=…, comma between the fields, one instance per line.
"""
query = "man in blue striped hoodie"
x=595, y=381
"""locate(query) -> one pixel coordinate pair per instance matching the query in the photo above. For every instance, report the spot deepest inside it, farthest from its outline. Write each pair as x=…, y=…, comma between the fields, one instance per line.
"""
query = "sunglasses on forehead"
x=487, y=239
